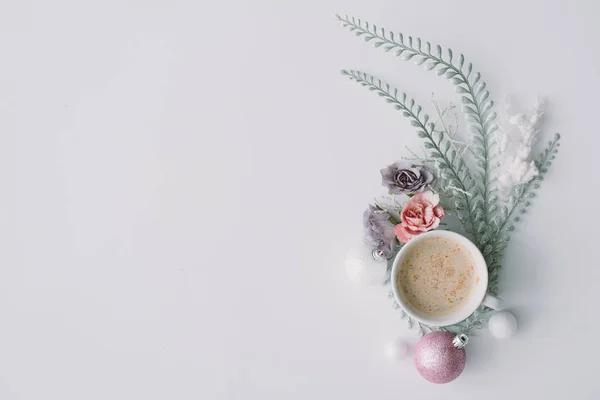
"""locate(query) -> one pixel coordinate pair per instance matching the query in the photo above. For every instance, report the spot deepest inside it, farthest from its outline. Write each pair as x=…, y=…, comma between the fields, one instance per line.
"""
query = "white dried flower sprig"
x=461, y=146
x=520, y=168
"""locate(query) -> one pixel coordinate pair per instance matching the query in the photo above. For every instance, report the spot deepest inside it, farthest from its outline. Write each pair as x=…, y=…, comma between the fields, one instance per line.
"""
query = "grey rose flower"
x=378, y=230
x=402, y=177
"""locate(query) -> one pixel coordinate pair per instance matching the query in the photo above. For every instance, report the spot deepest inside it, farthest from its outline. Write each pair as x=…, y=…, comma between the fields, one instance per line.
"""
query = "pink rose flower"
x=420, y=214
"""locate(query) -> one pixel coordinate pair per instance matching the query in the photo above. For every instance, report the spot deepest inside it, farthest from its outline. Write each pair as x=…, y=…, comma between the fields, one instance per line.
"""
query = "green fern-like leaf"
x=457, y=172
x=476, y=100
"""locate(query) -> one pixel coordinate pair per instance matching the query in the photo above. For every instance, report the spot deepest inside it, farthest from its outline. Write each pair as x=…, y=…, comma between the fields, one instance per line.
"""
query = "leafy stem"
x=518, y=206
x=521, y=201
x=475, y=98
x=446, y=159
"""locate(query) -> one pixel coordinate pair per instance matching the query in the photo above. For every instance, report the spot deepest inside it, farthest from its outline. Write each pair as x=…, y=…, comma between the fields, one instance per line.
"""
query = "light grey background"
x=181, y=179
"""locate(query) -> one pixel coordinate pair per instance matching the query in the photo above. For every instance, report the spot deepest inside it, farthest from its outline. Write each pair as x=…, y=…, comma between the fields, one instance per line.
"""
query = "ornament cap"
x=378, y=255
x=460, y=340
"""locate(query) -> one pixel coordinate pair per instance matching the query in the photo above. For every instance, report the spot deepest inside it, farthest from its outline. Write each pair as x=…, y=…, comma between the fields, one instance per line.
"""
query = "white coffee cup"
x=479, y=295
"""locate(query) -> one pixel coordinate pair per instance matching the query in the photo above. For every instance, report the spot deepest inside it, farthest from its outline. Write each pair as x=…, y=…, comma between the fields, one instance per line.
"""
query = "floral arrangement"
x=467, y=178
x=420, y=214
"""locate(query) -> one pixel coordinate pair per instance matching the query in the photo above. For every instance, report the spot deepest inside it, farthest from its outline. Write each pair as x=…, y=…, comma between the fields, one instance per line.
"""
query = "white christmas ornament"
x=502, y=325
x=396, y=350
x=365, y=266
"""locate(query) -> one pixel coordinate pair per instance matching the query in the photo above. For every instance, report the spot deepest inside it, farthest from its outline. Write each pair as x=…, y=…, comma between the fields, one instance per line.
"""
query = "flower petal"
x=428, y=214
x=378, y=230
x=411, y=210
x=435, y=223
x=404, y=234
x=439, y=211
x=401, y=165
x=423, y=197
x=414, y=222
x=427, y=175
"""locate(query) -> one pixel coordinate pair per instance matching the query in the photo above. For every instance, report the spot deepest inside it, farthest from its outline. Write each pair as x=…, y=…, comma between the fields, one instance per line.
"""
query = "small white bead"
x=502, y=325
x=396, y=350
x=362, y=268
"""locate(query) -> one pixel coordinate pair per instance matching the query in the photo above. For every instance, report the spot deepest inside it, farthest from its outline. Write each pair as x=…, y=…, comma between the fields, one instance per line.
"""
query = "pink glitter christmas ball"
x=436, y=358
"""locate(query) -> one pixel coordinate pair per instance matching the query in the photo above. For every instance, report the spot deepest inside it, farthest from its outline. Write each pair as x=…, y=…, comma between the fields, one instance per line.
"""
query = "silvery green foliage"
x=475, y=99
x=453, y=169
x=472, y=195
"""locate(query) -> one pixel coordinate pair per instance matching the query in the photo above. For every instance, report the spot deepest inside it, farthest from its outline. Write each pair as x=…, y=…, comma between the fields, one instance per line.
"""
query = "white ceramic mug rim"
x=474, y=302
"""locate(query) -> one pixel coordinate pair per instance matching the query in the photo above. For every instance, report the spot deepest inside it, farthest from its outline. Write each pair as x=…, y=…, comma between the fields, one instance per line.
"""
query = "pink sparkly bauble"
x=436, y=358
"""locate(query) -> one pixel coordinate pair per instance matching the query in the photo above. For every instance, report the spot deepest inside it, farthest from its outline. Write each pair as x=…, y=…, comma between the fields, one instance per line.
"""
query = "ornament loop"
x=460, y=340
x=378, y=255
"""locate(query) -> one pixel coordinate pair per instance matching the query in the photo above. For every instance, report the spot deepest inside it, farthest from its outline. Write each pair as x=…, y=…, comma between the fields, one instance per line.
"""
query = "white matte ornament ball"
x=396, y=350
x=502, y=325
x=362, y=268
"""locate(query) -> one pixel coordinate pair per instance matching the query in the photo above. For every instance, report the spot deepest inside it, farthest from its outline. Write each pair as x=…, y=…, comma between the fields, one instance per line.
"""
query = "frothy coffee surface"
x=437, y=276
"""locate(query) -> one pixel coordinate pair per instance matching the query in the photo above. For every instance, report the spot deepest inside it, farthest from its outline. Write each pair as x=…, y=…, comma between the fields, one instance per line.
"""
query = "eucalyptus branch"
x=453, y=169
